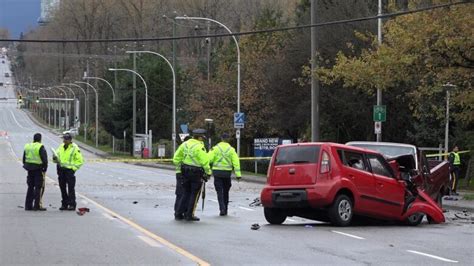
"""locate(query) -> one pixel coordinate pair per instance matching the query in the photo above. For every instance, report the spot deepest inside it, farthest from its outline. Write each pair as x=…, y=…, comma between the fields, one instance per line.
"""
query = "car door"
x=356, y=169
x=389, y=191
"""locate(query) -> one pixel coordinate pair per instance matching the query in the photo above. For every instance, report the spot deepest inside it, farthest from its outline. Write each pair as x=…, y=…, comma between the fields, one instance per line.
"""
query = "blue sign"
x=264, y=147
x=184, y=128
x=239, y=120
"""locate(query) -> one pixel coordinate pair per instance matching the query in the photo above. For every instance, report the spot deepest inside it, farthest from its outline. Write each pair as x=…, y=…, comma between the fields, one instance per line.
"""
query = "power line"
x=329, y=23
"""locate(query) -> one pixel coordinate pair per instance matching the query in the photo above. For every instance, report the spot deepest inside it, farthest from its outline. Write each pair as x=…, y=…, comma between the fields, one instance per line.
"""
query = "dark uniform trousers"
x=222, y=184
x=35, y=181
x=67, y=182
x=179, y=192
x=455, y=172
x=192, y=183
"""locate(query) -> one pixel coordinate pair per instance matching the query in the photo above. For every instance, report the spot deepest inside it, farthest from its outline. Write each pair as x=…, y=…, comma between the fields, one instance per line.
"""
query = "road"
x=131, y=221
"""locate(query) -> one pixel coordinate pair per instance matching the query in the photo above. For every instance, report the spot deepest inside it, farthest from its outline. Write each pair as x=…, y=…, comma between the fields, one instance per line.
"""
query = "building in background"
x=47, y=9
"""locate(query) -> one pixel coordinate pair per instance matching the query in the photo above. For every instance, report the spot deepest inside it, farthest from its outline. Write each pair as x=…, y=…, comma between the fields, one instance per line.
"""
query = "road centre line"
x=432, y=256
x=247, y=209
x=349, y=235
x=150, y=241
x=148, y=233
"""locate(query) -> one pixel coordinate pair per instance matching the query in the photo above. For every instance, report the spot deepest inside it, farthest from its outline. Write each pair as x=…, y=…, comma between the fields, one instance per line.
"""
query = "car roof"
x=394, y=144
x=331, y=144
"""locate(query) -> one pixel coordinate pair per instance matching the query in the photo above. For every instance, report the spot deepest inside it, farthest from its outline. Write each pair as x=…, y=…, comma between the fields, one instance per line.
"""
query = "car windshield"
x=387, y=150
x=297, y=154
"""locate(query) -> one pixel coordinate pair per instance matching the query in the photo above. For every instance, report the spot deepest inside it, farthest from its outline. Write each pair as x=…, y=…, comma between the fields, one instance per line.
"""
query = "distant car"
x=72, y=131
x=7, y=74
x=333, y=182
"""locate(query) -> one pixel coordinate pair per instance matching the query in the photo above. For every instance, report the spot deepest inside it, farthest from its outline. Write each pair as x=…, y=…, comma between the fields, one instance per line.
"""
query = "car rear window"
x=297, y=154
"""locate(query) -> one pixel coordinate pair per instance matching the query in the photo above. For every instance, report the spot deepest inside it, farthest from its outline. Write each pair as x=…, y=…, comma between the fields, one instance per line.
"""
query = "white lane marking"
x=108, y=216
x=432, y=256
x=150, y=241
x=141, y=183
x=129, y=180
x=291, y=220
x=247, y=209
x=346, y=234
x=213, y=200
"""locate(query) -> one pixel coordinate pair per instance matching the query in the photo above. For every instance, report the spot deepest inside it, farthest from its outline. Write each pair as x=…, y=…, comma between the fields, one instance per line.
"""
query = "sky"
x=19, y=15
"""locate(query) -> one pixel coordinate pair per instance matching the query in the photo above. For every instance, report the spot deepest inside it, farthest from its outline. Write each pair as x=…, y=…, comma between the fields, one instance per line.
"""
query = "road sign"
x=239, y=120
x=380, y=113
x=378, y=127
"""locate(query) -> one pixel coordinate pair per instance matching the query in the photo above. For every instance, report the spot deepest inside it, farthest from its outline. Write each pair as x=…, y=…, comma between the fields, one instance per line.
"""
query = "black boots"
x=192, y=219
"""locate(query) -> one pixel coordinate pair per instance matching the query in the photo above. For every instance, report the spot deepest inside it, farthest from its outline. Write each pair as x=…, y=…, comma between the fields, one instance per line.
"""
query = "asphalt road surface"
x=131, y=221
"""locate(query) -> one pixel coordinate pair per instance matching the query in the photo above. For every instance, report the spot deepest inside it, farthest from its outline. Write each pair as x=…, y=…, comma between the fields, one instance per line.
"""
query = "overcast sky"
x=19, y=15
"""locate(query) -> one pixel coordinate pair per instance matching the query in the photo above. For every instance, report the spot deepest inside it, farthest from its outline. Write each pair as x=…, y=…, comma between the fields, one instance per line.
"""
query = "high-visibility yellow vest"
x=223, y=157
x=457, y=159
x=193, y=153
x=32, y=154
x=70, y=158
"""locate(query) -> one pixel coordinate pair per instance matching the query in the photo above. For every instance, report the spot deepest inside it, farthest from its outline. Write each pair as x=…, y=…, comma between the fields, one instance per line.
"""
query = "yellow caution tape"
x=443, y=154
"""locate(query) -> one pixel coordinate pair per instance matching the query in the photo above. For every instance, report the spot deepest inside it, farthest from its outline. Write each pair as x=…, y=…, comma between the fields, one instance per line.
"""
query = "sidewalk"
x=460, y=204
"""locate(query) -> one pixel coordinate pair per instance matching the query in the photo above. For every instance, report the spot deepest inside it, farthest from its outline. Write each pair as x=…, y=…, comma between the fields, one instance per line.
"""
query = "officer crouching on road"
x=224, y=159
x=192, y=157
x=69, y=160
x=35, y=161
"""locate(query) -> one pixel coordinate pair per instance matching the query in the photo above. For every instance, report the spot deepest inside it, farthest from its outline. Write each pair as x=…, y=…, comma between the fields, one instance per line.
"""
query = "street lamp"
x=448, y=86
x=85, y=106
x=113, y=101
x=173, y=126
x=209, y=122
x=96, y=111
x=146, y=95
x=238, y=66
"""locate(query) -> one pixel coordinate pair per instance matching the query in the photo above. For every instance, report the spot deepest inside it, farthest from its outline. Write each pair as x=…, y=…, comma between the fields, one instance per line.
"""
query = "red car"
x=333, y=182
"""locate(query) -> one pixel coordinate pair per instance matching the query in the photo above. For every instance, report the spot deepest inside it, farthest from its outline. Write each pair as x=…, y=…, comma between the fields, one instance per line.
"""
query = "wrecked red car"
x=333, y=182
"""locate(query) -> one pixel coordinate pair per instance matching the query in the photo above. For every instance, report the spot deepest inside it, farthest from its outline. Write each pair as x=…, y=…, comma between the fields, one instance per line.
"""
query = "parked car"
x=333, y=182
x=73, y=131
x=431, y=175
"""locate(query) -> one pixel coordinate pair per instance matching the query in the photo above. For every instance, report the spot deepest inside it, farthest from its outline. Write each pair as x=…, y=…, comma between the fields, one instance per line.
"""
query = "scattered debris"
x=82, y=211
x=255, y=227
x=135, y=202
x=256, y=202
x=156, y=205
x=21, y=207
x=308, y=226
x=391, y=245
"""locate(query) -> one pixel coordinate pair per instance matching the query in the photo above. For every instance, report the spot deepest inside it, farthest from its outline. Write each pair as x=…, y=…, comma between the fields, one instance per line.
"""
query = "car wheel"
x=274, y=216
x=415, y=219
x=341, y=211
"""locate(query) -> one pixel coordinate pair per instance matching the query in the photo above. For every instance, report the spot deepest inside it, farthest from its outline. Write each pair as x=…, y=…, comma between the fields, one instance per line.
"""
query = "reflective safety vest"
x=32, y=154
x=193, y=153
x=70, y=158
x=223, y=157
x=457, y=158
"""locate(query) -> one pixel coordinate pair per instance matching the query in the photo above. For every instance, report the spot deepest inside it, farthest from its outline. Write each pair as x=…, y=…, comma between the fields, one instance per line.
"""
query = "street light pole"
x=96, y=112
x=85, y=106
x=173, y=126
x=238, y=66
x=446, y=130
x=379, y=38
x=113, y=101
x=315, y=134
x=146, y=94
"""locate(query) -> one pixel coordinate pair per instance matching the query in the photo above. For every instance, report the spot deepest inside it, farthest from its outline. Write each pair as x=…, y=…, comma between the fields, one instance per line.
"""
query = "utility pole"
x=208, y=40
x=134, y=120
x=379, y=91
x=315, y=135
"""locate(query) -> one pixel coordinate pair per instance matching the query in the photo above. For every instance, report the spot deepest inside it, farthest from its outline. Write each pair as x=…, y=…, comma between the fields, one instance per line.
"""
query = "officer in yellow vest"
x=69, y=160
x=224, y=159
x=179, y=192
x=455, y=167
x=35, y=161
x=192, y=157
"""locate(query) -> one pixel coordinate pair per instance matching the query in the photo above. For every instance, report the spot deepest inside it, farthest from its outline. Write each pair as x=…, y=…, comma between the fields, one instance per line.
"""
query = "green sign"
x=380, y=113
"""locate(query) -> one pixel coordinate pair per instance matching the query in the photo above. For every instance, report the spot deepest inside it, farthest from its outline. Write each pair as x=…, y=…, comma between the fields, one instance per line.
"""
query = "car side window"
x=379, y=166
x=353, y=159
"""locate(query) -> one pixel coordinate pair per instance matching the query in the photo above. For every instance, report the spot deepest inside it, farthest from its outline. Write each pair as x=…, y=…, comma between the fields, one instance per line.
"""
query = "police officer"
x=69, y=160
x=192, y=157
x=455, y=165
x=224, y=159
x=35, y=161
x=179, y=192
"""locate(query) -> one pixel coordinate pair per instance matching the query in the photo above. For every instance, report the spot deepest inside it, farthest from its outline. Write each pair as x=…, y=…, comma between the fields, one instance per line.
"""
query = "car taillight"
x=325, y=163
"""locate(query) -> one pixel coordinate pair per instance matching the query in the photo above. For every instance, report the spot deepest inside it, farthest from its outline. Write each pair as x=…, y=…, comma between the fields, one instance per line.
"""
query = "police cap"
x=67, y=136
x=199, y=132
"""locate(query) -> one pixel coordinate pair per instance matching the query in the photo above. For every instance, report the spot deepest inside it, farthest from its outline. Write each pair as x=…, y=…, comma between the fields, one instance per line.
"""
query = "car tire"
x=341, y=211
x=274, y=216
x=415, y=219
